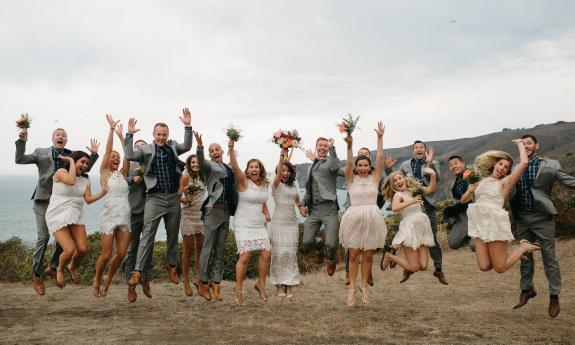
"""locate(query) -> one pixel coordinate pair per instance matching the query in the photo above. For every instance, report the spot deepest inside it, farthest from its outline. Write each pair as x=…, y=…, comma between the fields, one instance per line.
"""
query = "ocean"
x=18, y=219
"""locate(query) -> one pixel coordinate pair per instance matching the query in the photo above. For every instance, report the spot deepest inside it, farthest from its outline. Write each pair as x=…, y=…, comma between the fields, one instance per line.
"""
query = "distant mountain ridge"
x=557, y=141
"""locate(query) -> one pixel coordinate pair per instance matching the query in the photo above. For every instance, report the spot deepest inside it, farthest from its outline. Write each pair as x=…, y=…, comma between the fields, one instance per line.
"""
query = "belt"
x=161, y=192
x=220, y=206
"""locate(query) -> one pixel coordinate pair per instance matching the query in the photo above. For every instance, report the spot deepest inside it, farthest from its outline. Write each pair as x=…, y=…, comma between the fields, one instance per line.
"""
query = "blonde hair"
x=486, y=161
x=388, y=190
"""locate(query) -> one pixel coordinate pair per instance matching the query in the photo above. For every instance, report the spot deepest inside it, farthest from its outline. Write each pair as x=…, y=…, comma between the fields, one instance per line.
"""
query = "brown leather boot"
x=406, y=275
x=524, y=297
x=146, y=289
x=172, y=274
x=441, y=277
x=215, y=290
x=50, y=272
x=204, y=291
x=554, y=307
x=132, y=295
x=38, y=285
x=370, y=279
x=330, y=268
x=135, y=279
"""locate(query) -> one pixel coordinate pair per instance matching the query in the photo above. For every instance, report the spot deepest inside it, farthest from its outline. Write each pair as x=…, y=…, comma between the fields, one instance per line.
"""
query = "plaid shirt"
x=459, y=187
x=164, y=167
x=223, y=200
x=416, y=165
x=58, y=163
x=527, y=201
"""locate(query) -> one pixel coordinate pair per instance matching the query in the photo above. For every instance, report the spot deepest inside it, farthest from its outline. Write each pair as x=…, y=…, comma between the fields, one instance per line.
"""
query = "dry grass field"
x=474, y=309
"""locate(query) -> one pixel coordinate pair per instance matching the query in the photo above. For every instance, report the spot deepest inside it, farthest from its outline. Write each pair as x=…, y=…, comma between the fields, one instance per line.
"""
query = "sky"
x=430, y=70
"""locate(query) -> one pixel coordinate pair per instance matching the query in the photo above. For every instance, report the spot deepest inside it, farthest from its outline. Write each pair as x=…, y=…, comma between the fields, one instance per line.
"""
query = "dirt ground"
x=474, y=309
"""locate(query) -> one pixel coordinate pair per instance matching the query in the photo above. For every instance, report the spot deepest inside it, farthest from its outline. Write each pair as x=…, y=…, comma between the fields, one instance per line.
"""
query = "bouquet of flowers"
x=23, y=121
x=472, y=175
x=193, y=187
x=233, y=132
x=348, y=124
x=415, y=188
x=141, y=171
x=287, y=139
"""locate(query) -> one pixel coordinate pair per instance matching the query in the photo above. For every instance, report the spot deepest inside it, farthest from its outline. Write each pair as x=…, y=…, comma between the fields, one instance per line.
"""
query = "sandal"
x=350, y=297
x=529, y=246
x=364, y=299
x=262, y=292
x=104, y=290
x=73, y=274
x=238, y=300
x=95, y=288
x=60, y=279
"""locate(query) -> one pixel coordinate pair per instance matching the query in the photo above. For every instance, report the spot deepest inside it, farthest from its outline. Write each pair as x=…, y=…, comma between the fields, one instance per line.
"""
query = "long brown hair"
x=193, y=174
x=263, y=174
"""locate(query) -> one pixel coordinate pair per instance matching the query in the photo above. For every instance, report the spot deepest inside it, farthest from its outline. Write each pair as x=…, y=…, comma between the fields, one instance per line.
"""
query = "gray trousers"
x=216, y=227
x=458, y=234
x=326, y=214
x=136, y=227
x=39, y=208
x=434, y=252
x=159, y=206
x=534, y=226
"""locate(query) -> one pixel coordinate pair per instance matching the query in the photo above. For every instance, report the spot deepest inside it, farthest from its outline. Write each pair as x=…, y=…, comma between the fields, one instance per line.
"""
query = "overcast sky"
x=429, y=70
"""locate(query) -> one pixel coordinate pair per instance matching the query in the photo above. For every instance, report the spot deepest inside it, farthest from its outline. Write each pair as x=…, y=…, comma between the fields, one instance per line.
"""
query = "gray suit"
x=321, y=201
x=430, y=201
x=136, y=198
x=42, y=157
x=216, y=220
x=158, y=205
x=539, y=223
x=459, y=232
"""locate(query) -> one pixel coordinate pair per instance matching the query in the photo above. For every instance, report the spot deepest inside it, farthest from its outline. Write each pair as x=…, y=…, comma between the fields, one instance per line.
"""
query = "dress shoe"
x=50, y=272
x=204, y=291
x=188, y=289
x=441, y=277
x=330, y=268
x=370, y=279
x=132, y=295
x=146, y=289
x=524, y=297
x=172, y=274
x=554, y=307
x=406, y=275
x=215, y=290
x=38, y=285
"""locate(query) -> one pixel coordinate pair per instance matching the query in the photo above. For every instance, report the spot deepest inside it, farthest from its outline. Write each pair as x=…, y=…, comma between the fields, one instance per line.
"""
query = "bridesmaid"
x=65, y=213
x=284, y=229
x=249, y=222
x=488, y=221
x=115, y=214
x=192, y=189
x=362, y=228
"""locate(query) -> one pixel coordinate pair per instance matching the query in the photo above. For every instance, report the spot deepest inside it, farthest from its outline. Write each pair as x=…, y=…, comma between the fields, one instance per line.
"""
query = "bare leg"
x=186, y=254
x=107, y=244
x=501, y=259
x=122, y=241
x=410, y=262
x=353, y=266
x=423, y=257
x=241, y=268
x=366, y=261
x=263, y=267
x=199, y=242
x=68, y=245
x=78, y=232
x=482, y=255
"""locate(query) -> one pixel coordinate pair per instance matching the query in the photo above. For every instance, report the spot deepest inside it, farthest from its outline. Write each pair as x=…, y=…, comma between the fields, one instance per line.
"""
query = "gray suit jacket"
x=42, y=157
x=145, y=155
x=137, y=191
x=549, y=171
x=213, y=173
x=325, y=174
x=405, y=168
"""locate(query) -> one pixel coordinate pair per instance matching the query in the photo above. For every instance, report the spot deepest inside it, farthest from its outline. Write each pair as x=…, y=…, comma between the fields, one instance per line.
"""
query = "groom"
x=161, y=176
x=47, y=161
x=320, y=201
x=535, y=215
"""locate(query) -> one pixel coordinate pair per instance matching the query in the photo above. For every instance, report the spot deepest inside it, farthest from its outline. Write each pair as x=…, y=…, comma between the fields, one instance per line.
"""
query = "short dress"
x=249, y=222
x=487, y=220
x=414, y=227
x=66, y=205
x=362, y=226
x=191, y=222
x=115, y=212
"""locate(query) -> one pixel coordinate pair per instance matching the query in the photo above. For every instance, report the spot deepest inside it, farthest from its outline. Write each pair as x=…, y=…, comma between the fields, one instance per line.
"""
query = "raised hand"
x=471, y=188
x=517, y=141
x=111, y=121
x=119, y=129
x=380, y=129
x=310, y=155
x=94, y=145
x=284, y=155
x=428, y=171
x=390, y=161
x=186, y=117
x=132, y=125
x=330, y=142
x=418, y=200
x=231, y=145
x=430, y=155
x=348, y=139
x=303, y=211
x=23, y=134
x=66, y=158
x=198, y=137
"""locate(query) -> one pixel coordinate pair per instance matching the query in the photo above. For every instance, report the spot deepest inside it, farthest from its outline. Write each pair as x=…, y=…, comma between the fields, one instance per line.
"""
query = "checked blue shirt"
x=416, y=165
x=223, y=200
x=459, y=187
x=58, y=163
x=527, y=201
x=164, y=167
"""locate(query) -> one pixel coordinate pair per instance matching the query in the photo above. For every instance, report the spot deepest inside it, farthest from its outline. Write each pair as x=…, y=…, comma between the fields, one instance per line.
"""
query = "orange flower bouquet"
x=348, y=124
x=287, y=139
x=23, y=121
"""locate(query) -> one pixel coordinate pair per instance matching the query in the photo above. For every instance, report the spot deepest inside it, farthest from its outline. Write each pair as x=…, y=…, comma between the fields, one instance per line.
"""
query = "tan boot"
x=204, y=291
x=38, y=285
x=215, y=290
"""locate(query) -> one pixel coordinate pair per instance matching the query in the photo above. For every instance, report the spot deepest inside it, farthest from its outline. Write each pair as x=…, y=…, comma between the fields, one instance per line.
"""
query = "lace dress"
x=363, y=226
x=249, y=222
x=284, y=236
x=66, y=204
x=488, y=220
x=115, y=212
x=414, y=227
x=191, y=222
